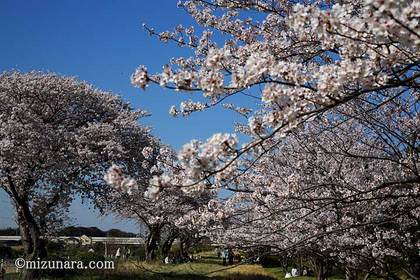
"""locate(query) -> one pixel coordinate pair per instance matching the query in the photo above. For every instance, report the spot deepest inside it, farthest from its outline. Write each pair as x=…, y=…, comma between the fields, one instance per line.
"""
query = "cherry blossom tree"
x=342, y=187
x=130, y=198
x=329, y=94
x=279, y=64
x=58, y=138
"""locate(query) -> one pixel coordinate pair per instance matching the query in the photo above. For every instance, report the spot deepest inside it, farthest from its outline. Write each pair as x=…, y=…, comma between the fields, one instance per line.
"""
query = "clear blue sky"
x=101, y=42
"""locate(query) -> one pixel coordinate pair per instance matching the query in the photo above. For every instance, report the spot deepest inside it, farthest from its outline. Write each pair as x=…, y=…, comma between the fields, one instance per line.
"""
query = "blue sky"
x=102, y=42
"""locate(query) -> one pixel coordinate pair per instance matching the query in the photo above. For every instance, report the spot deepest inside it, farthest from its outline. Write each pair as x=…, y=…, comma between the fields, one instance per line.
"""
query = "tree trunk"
x=300, y=265
x=34, y=246
x=351, y=274
x=166, y=246
x=185, y=244
x=152, y=243
x=367, y=275
x=320, y=272
x=320, y=268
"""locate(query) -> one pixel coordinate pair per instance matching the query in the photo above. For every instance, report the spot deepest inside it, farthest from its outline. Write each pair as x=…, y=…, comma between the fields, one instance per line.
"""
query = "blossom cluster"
x=115, y=177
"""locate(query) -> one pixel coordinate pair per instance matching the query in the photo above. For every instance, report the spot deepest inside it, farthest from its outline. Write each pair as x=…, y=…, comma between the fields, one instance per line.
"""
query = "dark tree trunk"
x=366, y=277
x=152, y=243
x=185, y=244
x=320, y=268
x=320, y=272
x=300, y=265
x=34, y=246
x=167, y=245
x=351, y=274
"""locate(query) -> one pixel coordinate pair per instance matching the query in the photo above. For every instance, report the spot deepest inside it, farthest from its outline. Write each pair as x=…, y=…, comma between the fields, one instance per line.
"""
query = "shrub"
x=270, y=261
x=6, y=252
x=87, y=257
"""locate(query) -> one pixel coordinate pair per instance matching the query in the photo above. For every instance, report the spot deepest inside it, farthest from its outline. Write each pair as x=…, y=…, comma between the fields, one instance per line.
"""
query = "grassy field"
x=208, y=268
x=188, y=271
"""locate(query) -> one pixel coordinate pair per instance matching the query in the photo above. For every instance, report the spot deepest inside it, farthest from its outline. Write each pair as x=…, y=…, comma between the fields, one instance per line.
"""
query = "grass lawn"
x=188, y=271
x=209, y=268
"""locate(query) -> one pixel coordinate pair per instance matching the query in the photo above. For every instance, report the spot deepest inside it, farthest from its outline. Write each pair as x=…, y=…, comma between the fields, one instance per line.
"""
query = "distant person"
x=224, y=256
x=238, y=257
x=311, y=272
x=230, y=256
x=2, y=270
x=178, y=259
x=118, y=254
x=2, y=273
x=305, y=272
x=295, y=272
x=166, y=260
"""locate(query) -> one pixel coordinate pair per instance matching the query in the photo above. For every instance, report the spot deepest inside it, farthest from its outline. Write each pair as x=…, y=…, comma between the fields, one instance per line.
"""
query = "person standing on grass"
x=224, y=256
x=230, y=256
x=2, y=270
x=118, y=254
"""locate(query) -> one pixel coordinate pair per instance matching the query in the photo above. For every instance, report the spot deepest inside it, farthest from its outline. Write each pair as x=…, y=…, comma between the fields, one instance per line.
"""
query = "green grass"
x=189, y=271
x=209, y=268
